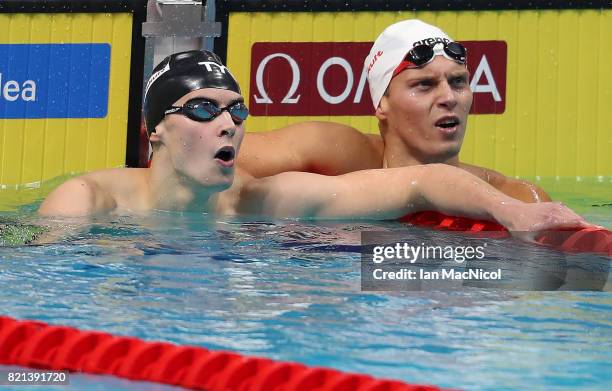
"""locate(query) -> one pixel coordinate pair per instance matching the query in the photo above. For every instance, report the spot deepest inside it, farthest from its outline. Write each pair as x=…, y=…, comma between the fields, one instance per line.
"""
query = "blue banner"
x=54, y=80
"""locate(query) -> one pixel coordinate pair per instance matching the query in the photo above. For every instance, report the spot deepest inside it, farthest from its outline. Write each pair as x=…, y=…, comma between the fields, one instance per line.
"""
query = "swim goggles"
x=421, y=55
x=203, y=110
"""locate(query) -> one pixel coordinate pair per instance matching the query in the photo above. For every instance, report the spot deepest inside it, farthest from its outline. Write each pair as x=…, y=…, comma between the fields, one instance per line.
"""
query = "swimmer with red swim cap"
x=420, y=90
x=195, y=116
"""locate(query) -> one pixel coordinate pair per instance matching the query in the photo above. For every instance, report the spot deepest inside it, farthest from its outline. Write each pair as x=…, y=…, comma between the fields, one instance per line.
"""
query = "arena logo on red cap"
x=328, y=78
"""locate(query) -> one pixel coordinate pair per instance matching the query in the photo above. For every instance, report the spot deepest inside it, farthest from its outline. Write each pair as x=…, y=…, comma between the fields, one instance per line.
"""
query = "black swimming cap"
x=179, y=74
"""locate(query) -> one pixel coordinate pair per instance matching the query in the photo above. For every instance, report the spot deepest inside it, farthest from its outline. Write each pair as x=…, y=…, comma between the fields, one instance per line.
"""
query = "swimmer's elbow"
x=76, y=197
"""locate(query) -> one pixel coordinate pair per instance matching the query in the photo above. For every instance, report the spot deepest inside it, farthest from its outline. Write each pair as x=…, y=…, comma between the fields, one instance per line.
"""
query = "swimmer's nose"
x=227, y=127
x=229, y=132
x=447, y=97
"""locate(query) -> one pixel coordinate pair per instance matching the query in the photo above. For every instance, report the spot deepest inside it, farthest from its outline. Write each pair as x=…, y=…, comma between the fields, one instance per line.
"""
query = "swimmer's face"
x=205, y=152
x=426, y=110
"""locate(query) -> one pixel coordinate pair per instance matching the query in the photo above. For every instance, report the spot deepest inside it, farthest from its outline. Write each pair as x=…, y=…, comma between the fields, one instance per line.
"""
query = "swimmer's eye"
x=424, y=84
x=239, y=112
x=459, y=81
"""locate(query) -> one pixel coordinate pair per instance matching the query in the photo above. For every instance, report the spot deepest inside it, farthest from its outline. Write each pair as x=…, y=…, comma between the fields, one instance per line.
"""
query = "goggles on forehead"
x=421, y=55
x=203, y=110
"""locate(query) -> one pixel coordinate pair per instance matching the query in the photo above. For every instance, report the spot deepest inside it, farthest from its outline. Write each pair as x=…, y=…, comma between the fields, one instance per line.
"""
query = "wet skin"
x=423, y=115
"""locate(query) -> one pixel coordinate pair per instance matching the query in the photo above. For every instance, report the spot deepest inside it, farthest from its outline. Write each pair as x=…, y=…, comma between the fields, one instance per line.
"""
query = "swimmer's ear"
x=382, y=109
x=155, y=136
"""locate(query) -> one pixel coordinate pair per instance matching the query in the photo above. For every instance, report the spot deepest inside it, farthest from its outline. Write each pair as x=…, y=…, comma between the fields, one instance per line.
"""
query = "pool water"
x=290, y=290
x=590, y=197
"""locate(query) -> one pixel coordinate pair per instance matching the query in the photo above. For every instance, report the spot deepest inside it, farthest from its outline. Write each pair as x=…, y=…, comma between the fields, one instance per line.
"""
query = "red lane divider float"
x=38, y=345
x=587, y=240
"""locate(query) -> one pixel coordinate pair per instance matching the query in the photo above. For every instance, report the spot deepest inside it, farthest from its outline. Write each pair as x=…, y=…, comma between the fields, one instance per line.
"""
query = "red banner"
x=327, y=78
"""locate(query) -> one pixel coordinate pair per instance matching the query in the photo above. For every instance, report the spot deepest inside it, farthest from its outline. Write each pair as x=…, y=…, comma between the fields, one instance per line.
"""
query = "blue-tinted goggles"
x=203, y=110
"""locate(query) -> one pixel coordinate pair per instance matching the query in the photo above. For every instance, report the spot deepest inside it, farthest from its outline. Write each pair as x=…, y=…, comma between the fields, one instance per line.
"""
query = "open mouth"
x=226, y=154
x=448, y=122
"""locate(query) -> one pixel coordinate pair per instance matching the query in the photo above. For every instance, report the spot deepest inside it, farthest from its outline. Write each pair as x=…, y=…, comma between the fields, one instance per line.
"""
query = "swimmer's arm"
x=393, y=193
x=381, y=194
x=321, y=147
x=76, y=197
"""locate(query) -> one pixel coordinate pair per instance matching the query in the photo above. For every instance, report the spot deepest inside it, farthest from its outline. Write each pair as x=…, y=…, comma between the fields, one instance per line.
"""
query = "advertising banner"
x=329, y=78
x=64, y=94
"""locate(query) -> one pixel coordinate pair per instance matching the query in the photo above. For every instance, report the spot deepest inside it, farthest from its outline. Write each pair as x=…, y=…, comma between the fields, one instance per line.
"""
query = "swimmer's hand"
x=526, y=220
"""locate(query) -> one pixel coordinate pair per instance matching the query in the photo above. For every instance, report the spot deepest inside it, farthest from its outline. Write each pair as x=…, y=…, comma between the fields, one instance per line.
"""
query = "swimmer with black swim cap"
x=195, y=113
x=178, y=75
x=186, y=91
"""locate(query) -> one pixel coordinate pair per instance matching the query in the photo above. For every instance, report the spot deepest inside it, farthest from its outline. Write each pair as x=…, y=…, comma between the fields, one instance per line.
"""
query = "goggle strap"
x=402, y=65
x=172, y=110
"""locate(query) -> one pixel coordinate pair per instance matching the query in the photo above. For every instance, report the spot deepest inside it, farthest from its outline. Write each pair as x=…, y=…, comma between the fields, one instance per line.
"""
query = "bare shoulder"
x=78, y=196
x=333, y=133
x=91, y=193
x=516, y=188
x=314, y=146
x=311, y=127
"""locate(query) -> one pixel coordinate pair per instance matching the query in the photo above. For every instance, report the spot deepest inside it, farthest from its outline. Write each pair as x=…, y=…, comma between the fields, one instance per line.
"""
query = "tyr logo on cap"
x=210, y=64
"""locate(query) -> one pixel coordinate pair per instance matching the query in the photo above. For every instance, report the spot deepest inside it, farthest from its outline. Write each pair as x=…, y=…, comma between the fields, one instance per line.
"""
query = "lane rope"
x=585, y=240
x=39, y=345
